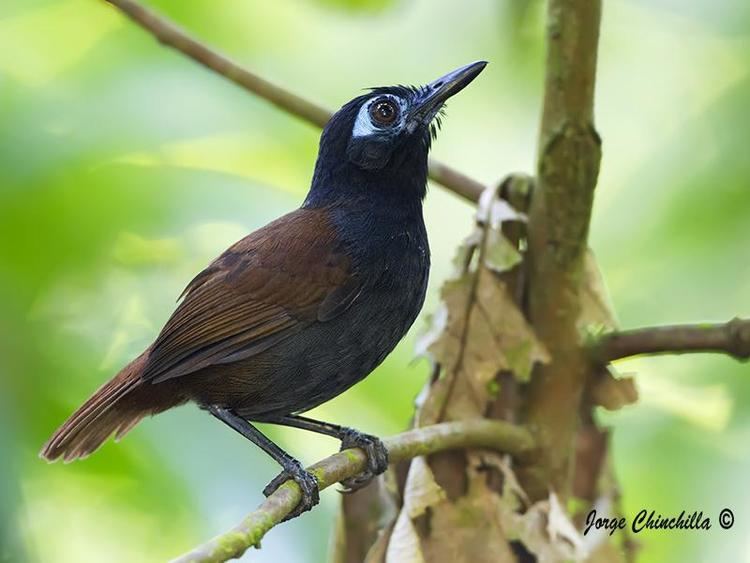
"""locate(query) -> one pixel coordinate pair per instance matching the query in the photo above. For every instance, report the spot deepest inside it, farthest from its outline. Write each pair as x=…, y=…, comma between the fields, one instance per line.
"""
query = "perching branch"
x=732, y=338
x=495, y=435
x=167, y=33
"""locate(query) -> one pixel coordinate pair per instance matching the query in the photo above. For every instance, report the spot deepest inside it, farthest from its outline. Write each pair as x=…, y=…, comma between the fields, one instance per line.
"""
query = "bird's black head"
x=379, y=142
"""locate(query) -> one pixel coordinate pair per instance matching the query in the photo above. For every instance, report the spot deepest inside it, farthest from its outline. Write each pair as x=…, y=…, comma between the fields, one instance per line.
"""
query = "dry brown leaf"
x=513, y=494
x=436, y=326
x=484, y=331
x=421, y=490
x=500, y=255
x=560, y=528
x=470, y=529
x=404, y=545
x=546, y=531
x=544, y=528
x=478, y=330
x=597, y=313
x=493, y=210
x=467, y=531
x=612, y=392
x=464, y=253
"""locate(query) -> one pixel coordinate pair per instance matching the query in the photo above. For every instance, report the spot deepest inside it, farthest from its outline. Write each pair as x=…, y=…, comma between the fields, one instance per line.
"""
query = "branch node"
x=739, y=338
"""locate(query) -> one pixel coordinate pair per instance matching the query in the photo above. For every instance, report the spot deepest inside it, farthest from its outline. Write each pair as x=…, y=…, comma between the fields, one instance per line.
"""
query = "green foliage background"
x=124, y=169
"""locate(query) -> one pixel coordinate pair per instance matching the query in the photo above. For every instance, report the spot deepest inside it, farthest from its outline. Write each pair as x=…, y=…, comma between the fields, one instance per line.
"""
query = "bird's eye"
x=384, y=113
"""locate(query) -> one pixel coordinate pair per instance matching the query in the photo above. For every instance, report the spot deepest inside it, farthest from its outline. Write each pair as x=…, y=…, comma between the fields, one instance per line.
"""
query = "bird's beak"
x=436, y=93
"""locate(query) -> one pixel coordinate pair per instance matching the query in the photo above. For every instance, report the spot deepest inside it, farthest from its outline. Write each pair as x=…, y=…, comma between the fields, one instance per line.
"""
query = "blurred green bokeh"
x=126, y=168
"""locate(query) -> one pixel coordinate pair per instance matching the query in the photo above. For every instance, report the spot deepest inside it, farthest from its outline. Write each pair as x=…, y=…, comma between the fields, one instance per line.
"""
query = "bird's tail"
x=115, y=408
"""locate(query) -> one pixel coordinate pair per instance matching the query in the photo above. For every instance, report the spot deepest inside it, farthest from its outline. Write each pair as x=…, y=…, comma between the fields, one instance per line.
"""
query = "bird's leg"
x=292, y=468
x=377, y=455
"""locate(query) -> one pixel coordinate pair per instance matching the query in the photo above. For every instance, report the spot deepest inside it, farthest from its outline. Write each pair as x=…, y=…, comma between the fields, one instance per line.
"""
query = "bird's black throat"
x=400, y=181
x=377, y=212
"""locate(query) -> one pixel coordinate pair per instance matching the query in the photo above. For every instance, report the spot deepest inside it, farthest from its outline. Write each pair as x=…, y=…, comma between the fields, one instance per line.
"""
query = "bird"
x=305, y=307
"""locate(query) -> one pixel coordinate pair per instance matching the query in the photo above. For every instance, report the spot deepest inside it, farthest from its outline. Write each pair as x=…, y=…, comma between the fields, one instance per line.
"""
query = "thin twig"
x=170, y=35
x=495, y=435
x=732, y=338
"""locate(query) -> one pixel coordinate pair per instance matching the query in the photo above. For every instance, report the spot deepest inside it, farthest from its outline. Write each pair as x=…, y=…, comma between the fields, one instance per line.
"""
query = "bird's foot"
x=307, y=482
x=377, y=458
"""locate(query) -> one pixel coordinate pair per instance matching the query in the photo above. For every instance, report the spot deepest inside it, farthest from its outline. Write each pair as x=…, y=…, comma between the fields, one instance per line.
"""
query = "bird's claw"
x=377, y=458
x=307, y=482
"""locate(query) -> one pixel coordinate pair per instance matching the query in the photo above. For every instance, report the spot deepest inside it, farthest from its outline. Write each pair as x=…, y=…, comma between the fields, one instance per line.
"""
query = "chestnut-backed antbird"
x=303, y=308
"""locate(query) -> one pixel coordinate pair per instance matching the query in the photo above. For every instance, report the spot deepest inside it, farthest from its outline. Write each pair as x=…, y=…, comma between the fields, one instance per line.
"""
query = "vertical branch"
x=567, y=169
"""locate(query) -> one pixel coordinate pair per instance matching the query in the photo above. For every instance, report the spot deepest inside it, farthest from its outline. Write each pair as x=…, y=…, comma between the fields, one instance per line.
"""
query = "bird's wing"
x=268, y=286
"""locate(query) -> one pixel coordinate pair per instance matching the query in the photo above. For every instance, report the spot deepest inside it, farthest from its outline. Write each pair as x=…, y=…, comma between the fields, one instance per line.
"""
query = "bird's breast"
x=329, y=356
x=396, y=273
